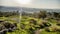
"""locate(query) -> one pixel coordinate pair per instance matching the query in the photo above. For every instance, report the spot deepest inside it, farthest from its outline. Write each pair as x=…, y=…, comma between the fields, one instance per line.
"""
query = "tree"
x=42, y=14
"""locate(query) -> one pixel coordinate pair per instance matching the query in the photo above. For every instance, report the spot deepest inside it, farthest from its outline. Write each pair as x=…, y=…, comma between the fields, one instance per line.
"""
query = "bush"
x=52, y=29
x=33, y=21
x=44, y=24
x=58, y=23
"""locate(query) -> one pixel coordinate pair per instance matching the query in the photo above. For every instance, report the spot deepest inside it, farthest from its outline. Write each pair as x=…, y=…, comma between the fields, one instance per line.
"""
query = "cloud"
x=33, y=4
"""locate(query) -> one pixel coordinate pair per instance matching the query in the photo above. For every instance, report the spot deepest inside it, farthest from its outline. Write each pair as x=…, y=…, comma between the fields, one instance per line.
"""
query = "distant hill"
x=5, y=8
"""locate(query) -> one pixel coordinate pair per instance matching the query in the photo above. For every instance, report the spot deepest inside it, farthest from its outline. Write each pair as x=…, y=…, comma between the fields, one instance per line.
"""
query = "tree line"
x=7, y=14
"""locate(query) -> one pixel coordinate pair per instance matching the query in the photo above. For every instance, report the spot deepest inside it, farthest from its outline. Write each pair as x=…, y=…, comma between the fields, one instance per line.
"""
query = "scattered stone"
x=7, y=27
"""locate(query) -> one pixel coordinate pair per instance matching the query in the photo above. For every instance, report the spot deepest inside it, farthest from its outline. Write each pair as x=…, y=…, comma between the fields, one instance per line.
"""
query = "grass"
x=52, y=21
x=25, y=20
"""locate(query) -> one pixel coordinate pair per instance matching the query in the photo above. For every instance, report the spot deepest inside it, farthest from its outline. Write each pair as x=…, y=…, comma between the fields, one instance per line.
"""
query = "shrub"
x=33, y=21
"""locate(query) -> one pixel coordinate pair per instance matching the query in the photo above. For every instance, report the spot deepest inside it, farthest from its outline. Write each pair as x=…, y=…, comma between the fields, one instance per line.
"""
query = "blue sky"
x=33, y=4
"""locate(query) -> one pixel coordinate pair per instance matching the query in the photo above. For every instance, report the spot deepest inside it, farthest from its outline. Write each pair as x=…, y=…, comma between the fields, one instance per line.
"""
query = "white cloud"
x=33, y=4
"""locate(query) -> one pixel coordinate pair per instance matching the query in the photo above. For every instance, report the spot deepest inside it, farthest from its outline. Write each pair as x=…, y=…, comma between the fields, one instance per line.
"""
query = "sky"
x=51, y=4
